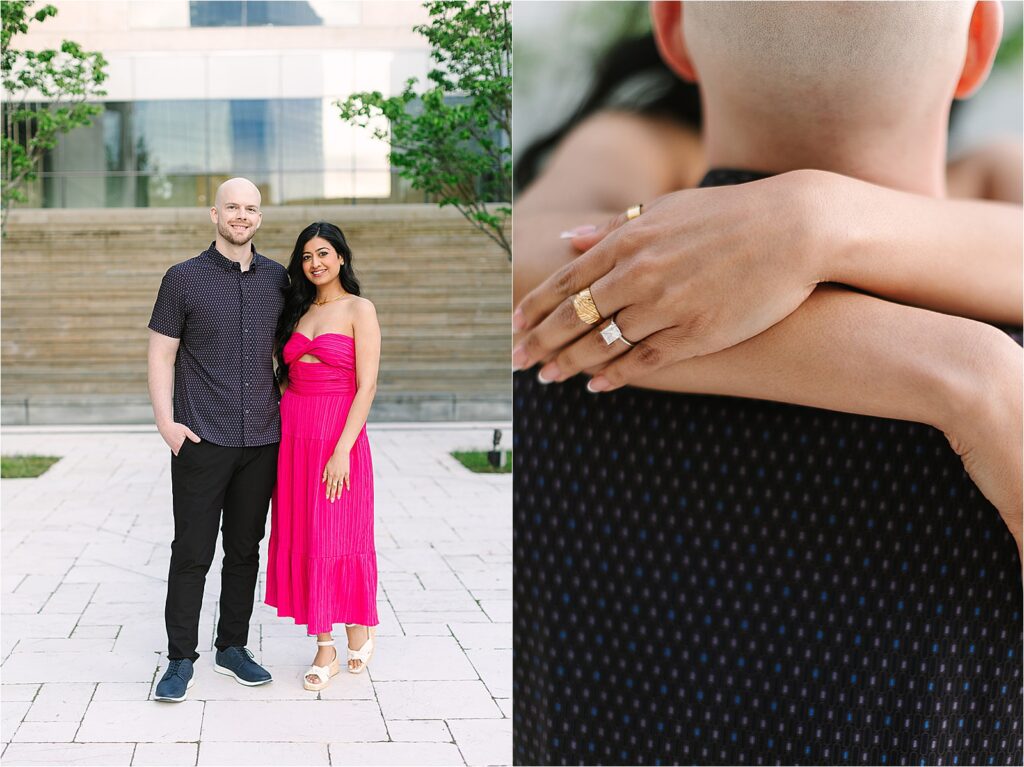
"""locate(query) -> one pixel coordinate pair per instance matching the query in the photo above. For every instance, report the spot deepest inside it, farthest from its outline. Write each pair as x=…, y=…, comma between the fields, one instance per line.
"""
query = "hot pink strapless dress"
x=322, y=566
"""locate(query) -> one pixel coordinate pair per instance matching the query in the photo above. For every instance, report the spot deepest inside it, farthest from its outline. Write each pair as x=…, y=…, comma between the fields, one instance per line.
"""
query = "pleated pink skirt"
x=322, y=567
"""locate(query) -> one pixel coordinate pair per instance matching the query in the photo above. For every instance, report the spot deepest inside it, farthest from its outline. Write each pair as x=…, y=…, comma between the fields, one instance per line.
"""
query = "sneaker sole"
x=229, y=672
x=188, y=687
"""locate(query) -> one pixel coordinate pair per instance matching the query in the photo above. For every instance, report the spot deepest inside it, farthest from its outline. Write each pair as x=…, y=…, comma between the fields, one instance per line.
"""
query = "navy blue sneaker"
x=175, y=682
x=238, y=662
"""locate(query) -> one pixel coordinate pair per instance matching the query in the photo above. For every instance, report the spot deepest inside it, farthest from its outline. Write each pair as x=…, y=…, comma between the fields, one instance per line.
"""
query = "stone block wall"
x=78, y=287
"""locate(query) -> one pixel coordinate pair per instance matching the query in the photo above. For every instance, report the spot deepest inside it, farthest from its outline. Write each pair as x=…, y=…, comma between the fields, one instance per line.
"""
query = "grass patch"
x=476, y=460
x=25, y=466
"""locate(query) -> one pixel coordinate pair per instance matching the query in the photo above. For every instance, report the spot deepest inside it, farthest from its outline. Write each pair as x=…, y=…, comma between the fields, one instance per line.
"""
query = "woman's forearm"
x=955, y=256
x=356, y=420
x=850, y=352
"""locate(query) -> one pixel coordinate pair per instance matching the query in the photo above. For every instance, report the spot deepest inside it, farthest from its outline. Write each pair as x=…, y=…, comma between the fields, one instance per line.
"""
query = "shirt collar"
x=226, y=263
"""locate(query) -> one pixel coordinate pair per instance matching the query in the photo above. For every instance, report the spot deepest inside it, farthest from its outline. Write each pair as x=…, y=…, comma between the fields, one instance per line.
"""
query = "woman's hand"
x=336, y=474
x=697, y=272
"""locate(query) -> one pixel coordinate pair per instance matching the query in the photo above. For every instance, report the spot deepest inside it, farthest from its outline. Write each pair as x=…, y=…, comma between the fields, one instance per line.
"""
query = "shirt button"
x=247, y=330
x=247, y=412
x=246, y=383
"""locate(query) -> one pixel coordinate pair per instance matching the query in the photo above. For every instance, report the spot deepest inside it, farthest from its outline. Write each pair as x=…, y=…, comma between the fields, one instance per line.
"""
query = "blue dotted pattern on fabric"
x=709, y=581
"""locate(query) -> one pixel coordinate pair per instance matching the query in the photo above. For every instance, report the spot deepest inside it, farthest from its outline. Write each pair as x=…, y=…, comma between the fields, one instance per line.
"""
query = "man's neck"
x=891, y=156
x=240, y=253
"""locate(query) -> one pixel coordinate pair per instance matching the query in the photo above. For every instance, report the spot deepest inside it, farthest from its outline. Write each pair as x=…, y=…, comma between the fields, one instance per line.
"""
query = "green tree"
x=46, y=94
x=453, y=140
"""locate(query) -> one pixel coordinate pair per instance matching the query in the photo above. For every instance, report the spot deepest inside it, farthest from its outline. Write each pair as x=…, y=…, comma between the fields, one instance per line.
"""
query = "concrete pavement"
x=85, y=555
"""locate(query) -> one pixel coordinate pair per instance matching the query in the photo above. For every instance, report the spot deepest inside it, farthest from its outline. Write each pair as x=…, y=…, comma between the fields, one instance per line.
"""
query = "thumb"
x=192, y=435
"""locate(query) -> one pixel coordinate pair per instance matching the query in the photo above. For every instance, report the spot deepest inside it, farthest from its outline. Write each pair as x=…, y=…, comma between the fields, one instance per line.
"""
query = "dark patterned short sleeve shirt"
x=224, y=386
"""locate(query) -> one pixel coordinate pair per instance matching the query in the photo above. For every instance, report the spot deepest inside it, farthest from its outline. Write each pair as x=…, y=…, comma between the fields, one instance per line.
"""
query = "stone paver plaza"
x=85, y=555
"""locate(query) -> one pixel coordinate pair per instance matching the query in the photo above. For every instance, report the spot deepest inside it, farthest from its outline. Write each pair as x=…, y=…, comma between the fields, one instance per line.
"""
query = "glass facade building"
x=202, y=91
x=175, y=153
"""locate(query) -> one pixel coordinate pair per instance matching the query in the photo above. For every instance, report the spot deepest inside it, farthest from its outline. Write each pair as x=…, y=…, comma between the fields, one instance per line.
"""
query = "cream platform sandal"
x=364, y=653
x=322, y=673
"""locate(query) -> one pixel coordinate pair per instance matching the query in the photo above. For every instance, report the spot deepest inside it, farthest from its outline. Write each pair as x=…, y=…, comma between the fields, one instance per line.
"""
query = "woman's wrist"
x=982, y=384
x=985, y=425
x=811, y=199
x=834, y=233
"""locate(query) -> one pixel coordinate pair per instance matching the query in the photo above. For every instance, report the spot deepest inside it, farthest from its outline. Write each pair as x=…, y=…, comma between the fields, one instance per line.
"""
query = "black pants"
x=206, y=478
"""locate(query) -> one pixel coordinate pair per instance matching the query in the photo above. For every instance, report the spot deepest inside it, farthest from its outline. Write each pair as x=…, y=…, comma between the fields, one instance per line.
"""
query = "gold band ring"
x=633, y=212
x=585, y=308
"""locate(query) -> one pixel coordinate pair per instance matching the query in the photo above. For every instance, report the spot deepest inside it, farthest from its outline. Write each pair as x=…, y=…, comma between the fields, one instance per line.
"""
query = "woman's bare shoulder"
x=361, y=310
x=614, y=156
x=362, y=305
x=659, y=133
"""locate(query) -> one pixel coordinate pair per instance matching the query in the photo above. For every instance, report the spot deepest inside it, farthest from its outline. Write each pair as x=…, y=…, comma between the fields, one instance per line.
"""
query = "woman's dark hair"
x=633, y=77
x=299, y=294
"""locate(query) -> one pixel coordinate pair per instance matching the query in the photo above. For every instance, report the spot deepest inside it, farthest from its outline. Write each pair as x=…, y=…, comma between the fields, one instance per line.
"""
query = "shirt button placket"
x=243, y=314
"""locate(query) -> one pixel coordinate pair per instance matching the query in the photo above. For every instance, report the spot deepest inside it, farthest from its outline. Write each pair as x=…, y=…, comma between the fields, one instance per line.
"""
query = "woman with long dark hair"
x=322, y=565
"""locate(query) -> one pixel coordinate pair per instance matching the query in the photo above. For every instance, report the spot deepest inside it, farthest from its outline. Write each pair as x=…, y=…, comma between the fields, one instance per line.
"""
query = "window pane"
x=120, y=191
x=34, y=194
x=85, y=191
x=253, y=135
x=117, y=140
x=53, y=191
x=243, y=136
x=174, y=191
x=221, y=13
x=169, y=136
x=253, y=13
x=281, y=13
x=82, y=148
x=302, y=139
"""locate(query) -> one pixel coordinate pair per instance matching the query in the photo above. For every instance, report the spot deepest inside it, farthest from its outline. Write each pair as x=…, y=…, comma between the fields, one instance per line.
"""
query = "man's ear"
x=983, y=38
x=667, y=24
x=213, y=214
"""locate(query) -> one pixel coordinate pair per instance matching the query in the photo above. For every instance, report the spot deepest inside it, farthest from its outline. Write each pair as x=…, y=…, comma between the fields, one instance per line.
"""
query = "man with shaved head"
x=211, y=381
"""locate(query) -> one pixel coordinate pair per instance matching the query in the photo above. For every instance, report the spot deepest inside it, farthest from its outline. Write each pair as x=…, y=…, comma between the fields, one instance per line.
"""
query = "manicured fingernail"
x=518, y=358
x=549, y=373
x=518, y=320
x=597, y=384
x=579, y=231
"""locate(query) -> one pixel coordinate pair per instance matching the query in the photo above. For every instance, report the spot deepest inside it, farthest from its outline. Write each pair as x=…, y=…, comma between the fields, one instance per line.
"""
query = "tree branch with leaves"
x=46, y=94
x=453, y=140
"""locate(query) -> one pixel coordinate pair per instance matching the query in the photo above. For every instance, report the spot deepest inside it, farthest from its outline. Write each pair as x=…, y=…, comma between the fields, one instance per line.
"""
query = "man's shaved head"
x=241, y=188
x=842, y=61
x=859, y=88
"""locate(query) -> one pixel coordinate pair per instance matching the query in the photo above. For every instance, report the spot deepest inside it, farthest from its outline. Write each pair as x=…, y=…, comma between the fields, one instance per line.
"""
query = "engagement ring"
x=612, y=333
